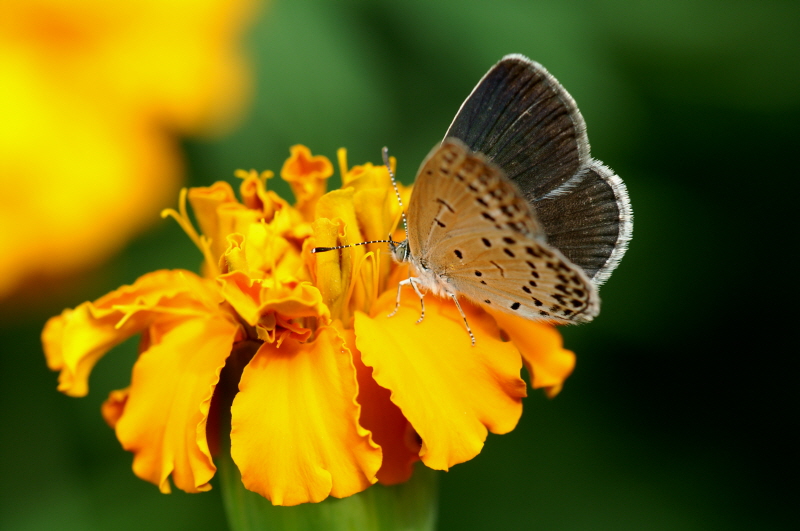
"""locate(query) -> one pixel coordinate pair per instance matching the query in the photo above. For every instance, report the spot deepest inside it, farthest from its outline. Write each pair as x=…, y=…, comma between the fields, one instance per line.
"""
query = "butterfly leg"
x=469, y=330
x=413, y=281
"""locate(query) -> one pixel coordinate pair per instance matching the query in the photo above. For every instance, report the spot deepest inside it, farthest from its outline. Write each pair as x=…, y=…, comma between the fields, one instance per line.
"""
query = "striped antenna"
x=326, y=249
x=394, y=185
x=385, y=152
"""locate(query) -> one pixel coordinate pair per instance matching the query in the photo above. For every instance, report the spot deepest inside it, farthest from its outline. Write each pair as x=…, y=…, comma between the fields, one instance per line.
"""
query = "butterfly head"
x=400, y=250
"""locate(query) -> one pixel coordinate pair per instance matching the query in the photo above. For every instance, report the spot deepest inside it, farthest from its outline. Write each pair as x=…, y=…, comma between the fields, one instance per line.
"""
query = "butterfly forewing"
x=455, y=188
x=476, y=232
x=524, y=121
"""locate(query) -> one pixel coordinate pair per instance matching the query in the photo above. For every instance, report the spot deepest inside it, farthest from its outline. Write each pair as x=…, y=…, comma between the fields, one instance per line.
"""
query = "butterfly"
x=510, y=210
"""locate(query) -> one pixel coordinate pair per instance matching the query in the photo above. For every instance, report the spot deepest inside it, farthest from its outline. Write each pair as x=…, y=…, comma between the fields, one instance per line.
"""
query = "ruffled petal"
x=390, y=429
x=206, y=201
x=331, y=271
x=114, y=406
x=450, y=391
x=75, y=340
x=255, y=298
x=295, y=434
x=542, y=349
x=164, y=418
x=307, y=175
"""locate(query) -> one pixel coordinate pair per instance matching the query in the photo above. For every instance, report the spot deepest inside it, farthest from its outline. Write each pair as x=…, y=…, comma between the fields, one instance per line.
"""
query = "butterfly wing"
x=470, y=227
x=524, y=121
x=592, y=223
x=453, y=184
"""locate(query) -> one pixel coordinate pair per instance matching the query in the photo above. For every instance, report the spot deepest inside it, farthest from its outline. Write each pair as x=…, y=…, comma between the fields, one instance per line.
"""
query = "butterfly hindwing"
x=524, y=277
x=591, y=223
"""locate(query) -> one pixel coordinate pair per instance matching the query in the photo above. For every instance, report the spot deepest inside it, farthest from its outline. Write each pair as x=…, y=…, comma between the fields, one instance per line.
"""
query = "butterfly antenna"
x=385, y=152
x=326, y=249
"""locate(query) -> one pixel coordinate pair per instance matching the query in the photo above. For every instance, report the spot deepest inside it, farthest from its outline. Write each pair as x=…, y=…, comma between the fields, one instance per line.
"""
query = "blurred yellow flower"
x=333, y=395
x=91, y=96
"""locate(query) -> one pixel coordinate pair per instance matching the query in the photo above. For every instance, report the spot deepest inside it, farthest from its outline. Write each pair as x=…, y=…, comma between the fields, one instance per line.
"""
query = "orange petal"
x=75, y=340
x=254, y=298
x=164, y=421
x=243, y=293
x=450, y=391
x=332, y=271
x=307, y=176
x=542, y=349
x=114, y=406
x=231, y=218
x=295, y=434
x=390, y=429
x=205, y=201
x=292, y=301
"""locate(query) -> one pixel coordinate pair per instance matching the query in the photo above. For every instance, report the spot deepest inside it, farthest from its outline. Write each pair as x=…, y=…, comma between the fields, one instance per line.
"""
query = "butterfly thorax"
x=426, y=277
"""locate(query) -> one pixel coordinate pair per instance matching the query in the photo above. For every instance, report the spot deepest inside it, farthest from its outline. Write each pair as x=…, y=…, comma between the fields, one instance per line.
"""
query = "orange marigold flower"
x=333, y=395
x=91, y=94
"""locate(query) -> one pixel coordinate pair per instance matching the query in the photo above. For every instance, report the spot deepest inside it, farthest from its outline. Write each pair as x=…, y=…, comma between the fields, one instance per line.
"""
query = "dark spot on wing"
x=515, y=306
x=478, y=274
x=509, y=241
x=502, y=271
x=486, y=242
x=526, y=289
x=509, y=252
x=487, y=216
x=445, y=204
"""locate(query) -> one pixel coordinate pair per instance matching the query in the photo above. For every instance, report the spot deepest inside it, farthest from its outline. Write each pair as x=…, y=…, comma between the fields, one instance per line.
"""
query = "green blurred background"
x=682, y=410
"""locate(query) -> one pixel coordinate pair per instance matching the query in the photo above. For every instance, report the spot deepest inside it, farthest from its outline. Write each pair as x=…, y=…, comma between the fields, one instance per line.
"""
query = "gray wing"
x=590, y=222
x=522, y=119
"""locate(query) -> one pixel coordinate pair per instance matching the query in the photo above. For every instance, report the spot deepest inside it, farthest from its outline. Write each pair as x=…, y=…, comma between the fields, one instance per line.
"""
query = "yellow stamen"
x=341, y=155
x=201, y=241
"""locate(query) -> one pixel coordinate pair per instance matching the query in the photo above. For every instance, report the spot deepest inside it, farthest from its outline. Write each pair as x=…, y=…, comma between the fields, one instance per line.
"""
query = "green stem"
x=410, y=506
